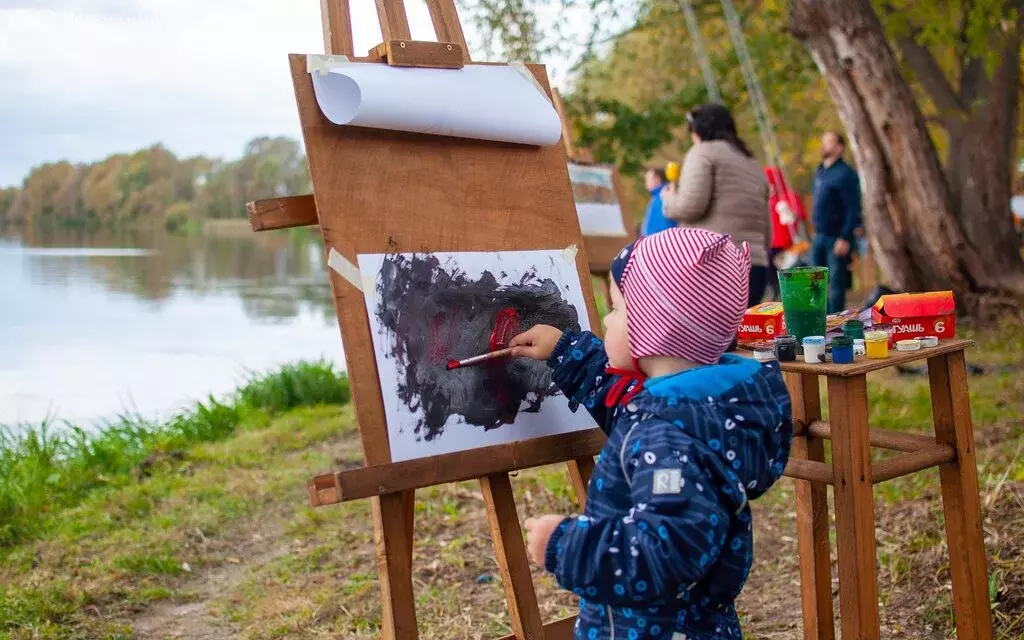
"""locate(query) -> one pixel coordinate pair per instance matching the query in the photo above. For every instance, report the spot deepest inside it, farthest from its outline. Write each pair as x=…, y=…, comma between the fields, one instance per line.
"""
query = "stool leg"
x=961, y=503
x=855, y=517
x=811, y=514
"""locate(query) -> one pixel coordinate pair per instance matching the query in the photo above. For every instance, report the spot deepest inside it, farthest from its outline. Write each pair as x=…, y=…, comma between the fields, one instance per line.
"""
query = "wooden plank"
x=931, y=456
x=580, y=471
x=811, y=513
x=337, y=27
x=951, y=411
x=895, y=440
x=282, y=213
x=467, y=204
x=563, y=629
x=447, y=27
x=862, y=365
x=417, y=53
x=394, y=24
x=855, y=518
x=393, y=550
x=510, y=552
x=366, y=482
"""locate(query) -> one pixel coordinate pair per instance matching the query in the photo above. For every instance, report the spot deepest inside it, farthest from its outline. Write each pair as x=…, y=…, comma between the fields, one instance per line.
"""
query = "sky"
x=81, y=79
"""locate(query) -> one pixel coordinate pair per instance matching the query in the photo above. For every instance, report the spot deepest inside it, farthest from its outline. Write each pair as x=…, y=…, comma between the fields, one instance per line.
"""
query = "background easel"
x=469, y=204
x=601, y=250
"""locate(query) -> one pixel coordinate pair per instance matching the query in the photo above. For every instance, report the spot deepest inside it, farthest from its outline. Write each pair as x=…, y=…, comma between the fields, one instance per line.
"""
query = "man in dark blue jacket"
x=836, y=216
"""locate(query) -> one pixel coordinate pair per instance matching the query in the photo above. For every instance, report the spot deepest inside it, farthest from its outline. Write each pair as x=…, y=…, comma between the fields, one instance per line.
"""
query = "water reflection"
x=94, y=323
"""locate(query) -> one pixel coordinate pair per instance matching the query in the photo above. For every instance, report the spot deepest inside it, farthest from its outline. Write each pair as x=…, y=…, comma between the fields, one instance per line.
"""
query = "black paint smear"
x=432, y=312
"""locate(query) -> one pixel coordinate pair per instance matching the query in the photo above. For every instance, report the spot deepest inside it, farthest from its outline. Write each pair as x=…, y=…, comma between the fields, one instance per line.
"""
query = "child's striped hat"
x=686, y=291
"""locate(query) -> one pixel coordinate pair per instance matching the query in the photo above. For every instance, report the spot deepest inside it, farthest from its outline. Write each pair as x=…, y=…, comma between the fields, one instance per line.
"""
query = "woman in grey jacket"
x=722, y=188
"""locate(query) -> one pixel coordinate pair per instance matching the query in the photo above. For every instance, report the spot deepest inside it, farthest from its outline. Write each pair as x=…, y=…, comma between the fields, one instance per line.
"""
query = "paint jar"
x=785, y=348
x=842, y=350
x=814, y=349
x=876, y=344
x=908, y=345
x=853, y=329
x=764, y=355
x=804, y=296
x=672, y=170
x=859, y=348
x=929, y=341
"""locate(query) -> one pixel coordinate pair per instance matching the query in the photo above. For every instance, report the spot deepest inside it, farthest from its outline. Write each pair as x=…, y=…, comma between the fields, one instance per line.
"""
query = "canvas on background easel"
x=455, y=196
x=601, y=247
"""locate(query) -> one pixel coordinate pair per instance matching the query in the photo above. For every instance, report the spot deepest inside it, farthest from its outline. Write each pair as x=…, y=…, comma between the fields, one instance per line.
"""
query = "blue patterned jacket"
x=665, y=543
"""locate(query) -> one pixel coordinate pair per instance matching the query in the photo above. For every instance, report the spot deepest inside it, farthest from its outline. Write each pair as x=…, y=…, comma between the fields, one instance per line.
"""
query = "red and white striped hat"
x=686, y=291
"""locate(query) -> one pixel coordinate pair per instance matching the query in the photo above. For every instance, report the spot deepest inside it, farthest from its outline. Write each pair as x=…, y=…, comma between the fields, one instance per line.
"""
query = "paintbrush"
x=501, y=353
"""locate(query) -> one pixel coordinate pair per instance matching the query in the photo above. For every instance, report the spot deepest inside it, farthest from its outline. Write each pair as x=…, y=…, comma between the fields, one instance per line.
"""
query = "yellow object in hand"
x=672, y=171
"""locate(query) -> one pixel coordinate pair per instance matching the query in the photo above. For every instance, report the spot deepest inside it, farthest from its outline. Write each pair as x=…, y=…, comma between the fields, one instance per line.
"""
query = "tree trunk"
x=909, y=212
x=981, y=161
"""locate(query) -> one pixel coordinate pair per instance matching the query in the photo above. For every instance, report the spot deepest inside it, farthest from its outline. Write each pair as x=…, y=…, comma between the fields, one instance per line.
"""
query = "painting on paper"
x=428, y=308
x=597, y=204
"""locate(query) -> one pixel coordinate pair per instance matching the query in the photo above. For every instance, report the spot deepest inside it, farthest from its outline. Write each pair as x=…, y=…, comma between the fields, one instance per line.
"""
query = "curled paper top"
x=483, y=102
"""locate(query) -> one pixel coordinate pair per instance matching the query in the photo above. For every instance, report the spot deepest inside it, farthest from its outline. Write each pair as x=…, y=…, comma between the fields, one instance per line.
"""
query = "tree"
x=918, y=215
x=912, y=82
x=152, y=186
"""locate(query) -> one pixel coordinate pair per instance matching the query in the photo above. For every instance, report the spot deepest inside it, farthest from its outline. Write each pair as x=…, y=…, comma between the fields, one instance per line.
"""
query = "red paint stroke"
x=505, y=324
x=444, y=332
x=453, y=364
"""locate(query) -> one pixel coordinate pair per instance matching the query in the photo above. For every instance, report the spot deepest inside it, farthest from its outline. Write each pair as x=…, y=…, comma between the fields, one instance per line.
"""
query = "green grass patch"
x=48, y=467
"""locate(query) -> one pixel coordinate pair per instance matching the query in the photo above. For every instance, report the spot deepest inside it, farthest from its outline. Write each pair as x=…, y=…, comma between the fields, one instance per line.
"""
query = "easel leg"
x=960, y=500
x=580, y=471
x=394, y=567
x=510, y=551
x=855, y=517
x=409, y=497
x=811, y=515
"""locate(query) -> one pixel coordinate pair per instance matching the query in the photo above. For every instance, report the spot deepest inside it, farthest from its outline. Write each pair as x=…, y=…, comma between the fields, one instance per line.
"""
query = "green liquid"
x=801, y=324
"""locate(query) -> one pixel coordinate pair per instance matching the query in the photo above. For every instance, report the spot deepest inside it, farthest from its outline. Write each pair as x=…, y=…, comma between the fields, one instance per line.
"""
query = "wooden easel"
x=601, y=250
x=369, y=196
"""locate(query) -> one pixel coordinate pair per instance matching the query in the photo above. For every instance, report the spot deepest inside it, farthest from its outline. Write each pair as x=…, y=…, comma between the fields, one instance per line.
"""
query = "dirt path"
x=192, y=618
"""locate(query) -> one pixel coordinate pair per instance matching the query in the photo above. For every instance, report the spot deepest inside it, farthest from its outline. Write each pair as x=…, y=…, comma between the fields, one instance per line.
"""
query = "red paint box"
x=912, y=315
x=763, y=322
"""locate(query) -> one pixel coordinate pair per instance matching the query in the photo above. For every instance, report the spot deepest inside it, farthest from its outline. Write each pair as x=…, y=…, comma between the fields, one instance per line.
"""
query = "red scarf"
x=620, y=393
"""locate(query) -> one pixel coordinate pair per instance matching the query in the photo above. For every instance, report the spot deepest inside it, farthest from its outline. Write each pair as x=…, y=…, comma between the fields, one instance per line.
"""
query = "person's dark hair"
x=714, y=122
x=839, y=138
x=660, y=173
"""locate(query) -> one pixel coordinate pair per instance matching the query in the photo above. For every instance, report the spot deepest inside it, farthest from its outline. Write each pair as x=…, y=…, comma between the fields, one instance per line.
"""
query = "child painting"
x=665, y=544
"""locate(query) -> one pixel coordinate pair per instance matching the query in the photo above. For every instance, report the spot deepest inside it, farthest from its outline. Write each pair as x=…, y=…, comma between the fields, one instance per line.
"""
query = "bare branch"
x=928, y=72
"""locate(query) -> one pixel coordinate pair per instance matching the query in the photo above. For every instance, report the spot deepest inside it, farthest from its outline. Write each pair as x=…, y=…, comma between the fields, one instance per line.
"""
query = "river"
x=96, y=324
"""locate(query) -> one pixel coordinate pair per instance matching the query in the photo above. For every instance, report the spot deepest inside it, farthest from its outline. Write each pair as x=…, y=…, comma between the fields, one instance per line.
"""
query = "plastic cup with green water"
x=804, y=300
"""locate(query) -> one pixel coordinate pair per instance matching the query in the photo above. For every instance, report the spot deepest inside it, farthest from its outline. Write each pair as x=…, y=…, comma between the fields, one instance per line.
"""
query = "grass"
x=50, y=467
x=217, y=542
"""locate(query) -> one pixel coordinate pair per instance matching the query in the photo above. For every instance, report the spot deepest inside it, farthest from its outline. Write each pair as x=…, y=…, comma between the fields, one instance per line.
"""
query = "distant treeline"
x=153, y=186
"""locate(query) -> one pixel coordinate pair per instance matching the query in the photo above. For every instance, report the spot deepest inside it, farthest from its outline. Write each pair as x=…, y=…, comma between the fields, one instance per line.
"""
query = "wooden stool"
x=852, y=475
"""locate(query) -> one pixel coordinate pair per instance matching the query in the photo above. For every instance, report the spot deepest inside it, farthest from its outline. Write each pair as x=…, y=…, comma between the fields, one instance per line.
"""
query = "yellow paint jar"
x=876, y=343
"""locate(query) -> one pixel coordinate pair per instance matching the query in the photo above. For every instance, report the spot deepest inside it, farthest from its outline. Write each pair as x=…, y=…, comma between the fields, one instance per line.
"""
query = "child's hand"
x=537, y=343
x=538, y=532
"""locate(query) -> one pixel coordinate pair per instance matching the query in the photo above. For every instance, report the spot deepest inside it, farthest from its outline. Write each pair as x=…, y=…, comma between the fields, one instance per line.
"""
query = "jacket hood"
x=741, y=411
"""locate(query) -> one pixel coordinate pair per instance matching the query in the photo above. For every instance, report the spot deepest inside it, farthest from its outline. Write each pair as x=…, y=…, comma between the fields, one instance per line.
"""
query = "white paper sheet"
x=509, y=268
x=597, y=204
x=485, y=102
